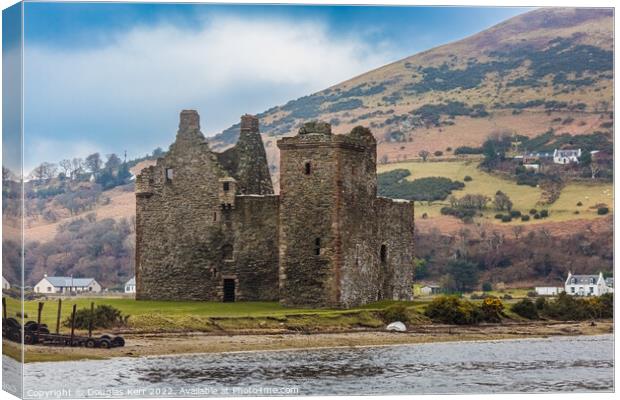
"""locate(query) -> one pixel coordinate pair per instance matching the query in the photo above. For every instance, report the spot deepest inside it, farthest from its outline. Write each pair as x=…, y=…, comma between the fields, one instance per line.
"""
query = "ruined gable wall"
x=177, y=241
x=247, y=160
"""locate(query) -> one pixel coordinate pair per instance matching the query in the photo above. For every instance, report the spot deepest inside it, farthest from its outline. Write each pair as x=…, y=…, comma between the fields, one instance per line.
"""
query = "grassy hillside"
x=546, y=69
x=523, y=197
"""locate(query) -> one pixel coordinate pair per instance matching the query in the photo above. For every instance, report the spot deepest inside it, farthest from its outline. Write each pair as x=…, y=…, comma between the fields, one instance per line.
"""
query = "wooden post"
x=58, y=316
x=39, y=317
x=73, y=324
x=90, y=321
x=4, y=307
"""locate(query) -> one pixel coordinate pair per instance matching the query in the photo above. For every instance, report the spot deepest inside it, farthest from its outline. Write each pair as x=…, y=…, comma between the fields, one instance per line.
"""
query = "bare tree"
x=502, y=201
x=65, y=165
x=44, y=171
x=77, y=167
x=424, y=154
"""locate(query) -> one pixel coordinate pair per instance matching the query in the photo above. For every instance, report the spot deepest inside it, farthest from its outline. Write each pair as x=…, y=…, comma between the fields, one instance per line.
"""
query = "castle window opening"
x=308, y=168
x=226, y=186
x=227, y=252
x=383, y=253
x=214, y=216
x=169, y=174
x=317, y=246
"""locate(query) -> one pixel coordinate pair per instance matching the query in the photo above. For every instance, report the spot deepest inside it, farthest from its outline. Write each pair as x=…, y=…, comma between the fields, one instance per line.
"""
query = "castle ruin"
x=209, y=226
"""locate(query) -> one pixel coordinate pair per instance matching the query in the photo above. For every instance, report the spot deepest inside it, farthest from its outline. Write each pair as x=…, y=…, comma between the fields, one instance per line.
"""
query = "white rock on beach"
x=397, y=326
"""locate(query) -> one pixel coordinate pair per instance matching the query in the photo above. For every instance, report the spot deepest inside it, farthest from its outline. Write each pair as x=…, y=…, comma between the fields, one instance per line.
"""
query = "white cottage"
x=566, y=156
x=66, y=285
x=130, y=285
x=5, y=284
x=548, y=290
x=588, y=285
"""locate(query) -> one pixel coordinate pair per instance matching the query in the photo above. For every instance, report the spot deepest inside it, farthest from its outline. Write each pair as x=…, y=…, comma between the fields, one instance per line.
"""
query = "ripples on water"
x=532, y=365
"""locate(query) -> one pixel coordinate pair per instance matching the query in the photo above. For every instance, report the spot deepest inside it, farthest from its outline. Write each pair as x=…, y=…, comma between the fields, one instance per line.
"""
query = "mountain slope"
x=546, y=69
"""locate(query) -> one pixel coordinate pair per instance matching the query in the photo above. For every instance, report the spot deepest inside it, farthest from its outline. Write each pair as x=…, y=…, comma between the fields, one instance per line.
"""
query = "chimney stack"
x=189, y=121
x=249, y=123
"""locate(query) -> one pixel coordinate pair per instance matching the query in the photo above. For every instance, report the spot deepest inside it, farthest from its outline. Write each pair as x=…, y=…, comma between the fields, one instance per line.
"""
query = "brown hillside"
x=551, y=68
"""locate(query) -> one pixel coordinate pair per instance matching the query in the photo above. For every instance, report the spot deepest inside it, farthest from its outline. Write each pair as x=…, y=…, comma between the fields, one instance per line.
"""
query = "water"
x=558, y=364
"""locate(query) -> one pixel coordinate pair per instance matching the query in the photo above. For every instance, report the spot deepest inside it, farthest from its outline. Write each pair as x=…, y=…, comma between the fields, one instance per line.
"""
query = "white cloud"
x=133, y=88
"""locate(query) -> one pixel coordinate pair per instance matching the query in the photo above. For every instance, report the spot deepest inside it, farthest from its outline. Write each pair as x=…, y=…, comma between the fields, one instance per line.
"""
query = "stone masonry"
x=208, y=226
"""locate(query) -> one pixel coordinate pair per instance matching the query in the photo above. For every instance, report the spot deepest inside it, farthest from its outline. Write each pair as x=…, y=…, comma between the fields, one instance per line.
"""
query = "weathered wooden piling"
x=73, y=323
x=58, y=316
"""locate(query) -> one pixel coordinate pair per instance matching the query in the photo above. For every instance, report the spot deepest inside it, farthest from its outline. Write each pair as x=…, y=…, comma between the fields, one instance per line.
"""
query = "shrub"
x=468, y=150
x=544, y=214
x=566, y=307
x=104, y=316
x=499, y=216
x=506, y=218
x=540, y=303
x=579, y=204
x=491, y=309
x=533, y=211
x=487, y=287
x=507, y=297
x=393, y=184
x=452, y=310
x=448, y=148
x=468, y=178
x=536, y=216
x=515, y=214
x=395, y=312
x=438, y=153
x=532, y=293
x=525, y=218
x=602, y=210
x=526, y=309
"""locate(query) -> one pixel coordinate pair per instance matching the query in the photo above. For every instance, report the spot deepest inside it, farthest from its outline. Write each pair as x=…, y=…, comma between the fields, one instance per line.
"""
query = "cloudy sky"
x=113, y=77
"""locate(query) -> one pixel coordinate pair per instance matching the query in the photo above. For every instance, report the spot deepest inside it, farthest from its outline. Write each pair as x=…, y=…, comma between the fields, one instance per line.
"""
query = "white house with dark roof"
x=566, y=156
x=5, y=284
x=130, y=285
x=66, y=285
x=588, y=285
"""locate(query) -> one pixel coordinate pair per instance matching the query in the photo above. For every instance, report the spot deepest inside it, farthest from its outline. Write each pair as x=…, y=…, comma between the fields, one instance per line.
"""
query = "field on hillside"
x=523, y=197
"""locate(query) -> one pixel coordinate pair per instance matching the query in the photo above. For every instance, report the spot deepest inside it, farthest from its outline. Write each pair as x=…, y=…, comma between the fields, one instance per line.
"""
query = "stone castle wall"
x=205, y=219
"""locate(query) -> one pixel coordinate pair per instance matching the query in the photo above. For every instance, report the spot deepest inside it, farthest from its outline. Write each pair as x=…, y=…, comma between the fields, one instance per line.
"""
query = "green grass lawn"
x=206, y=316
x=523, y=197
x=164, y=308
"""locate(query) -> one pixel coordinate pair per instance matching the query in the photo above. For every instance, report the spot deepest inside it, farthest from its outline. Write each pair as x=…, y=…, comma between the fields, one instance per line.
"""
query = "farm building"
x=548, y=290
x=588, y=285
x=130, y=285
x=66, y=285
x=5, y=284
x=430, y=289
x=566, y=156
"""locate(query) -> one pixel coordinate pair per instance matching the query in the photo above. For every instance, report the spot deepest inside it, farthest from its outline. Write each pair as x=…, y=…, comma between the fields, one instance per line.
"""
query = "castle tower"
x=327, y=189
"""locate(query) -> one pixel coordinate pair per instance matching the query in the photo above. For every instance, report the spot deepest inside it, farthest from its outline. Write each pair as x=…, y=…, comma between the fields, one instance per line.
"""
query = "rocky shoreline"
x=160, y=344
